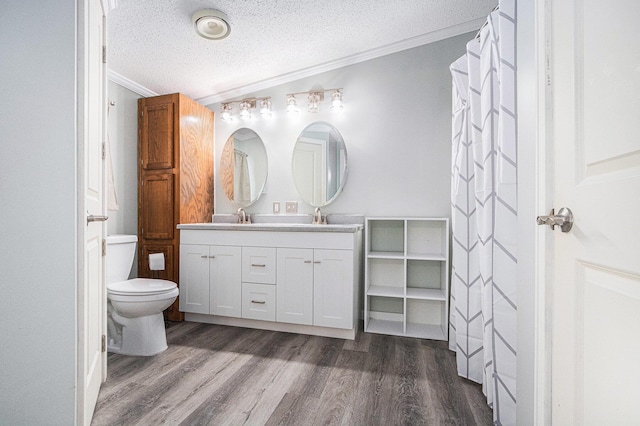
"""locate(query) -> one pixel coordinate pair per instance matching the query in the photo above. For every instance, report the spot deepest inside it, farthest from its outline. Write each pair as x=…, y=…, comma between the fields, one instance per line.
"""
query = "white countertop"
x=279, y=227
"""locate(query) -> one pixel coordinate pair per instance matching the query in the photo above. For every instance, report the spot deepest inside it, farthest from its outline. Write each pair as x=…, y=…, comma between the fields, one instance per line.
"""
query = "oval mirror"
x=243, y=167
x=319, y=164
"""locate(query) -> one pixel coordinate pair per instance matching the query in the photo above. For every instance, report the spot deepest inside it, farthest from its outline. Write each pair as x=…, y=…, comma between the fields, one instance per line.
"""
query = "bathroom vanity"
x=293, y=277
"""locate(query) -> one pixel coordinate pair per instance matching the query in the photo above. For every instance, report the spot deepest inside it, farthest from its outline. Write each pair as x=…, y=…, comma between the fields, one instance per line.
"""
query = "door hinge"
x=104, y=247
x=104, y=150
x=104, y=343
x=104, y=54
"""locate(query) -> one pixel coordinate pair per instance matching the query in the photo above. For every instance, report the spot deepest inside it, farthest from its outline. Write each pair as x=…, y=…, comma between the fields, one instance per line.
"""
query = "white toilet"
x=135, y=324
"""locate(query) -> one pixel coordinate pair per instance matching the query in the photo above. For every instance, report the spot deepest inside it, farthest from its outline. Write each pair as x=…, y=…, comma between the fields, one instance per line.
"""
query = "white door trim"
x=535, y=194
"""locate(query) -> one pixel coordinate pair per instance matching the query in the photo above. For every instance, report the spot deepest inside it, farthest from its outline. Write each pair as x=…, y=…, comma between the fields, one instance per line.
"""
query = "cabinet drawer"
x=259, y=265
x=259, y=301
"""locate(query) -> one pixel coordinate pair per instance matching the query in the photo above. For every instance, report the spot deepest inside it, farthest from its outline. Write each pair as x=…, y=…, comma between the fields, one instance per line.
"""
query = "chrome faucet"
x=317, y=217
x=243, y=217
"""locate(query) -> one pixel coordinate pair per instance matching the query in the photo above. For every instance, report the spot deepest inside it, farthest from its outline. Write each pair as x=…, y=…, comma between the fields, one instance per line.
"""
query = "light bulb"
x=314, y=102
x=336, y=101
x=226, y=112
x=265, y=108
x=245, y=112
x=292, y=104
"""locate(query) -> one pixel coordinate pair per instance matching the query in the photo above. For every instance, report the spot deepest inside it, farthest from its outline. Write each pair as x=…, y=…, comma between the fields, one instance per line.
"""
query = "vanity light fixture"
x=292, y=104
x=245, y=108
x=336, y=100
x=211, y=24
x=265, y=108
x=314, y=99
x=226, y=110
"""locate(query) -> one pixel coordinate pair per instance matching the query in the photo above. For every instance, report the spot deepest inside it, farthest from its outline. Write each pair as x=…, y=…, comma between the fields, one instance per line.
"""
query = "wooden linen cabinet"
x=175, y=179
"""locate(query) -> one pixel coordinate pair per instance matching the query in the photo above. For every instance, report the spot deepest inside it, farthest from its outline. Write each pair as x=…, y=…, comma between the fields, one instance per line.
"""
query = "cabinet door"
x=156, y=133
x=225, y=294
x=156, y=206
x=294, y=286
x=333, y=288
x=194, y=278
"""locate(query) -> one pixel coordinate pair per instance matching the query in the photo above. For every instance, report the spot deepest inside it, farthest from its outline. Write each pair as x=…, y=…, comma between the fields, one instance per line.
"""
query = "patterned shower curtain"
x=483, y=316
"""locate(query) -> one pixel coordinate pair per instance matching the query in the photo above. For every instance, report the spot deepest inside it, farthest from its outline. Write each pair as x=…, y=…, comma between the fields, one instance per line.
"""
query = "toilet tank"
x=121, y=250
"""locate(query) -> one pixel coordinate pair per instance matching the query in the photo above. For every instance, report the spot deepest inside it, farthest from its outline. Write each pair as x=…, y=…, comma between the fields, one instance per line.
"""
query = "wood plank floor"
x=218, y=375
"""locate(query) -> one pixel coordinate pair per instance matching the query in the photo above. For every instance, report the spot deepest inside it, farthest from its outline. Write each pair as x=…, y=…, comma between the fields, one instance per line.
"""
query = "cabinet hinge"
x=104, y=54
x=104, y=343
x=104, y=247
x=104, y=150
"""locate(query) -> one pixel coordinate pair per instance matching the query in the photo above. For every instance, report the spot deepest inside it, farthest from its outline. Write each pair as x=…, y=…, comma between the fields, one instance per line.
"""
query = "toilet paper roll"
x=156, y=261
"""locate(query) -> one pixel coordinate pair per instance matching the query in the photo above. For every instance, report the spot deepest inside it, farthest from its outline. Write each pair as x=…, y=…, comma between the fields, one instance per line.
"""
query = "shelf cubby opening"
x=426, y=279
x=426, y=319
x=386, y=277
x=386, y=315
x=426, y=239
x=386, y=237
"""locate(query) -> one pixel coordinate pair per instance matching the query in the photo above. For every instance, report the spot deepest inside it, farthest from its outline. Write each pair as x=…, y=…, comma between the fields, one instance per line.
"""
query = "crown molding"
x=130, y=84
x=389, y=49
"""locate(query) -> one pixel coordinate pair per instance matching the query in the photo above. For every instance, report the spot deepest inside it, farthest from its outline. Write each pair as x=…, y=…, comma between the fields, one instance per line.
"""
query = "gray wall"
x=396, y=125
x=38, y=215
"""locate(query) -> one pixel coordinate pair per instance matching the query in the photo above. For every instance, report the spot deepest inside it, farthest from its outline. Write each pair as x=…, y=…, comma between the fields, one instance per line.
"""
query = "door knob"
x=564, y=219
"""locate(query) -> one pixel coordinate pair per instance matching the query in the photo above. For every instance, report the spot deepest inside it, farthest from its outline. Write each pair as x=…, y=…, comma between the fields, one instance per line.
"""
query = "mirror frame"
x=227, y=161
x=342, y=182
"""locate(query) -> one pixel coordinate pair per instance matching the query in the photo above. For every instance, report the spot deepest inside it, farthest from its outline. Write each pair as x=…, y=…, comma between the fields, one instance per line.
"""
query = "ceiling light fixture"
x=314, y=98
x=211, y=24
x=245, y=108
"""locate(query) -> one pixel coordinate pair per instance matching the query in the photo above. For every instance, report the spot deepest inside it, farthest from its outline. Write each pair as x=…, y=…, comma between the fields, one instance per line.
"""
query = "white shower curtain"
x=484, y=213
x=242, y=180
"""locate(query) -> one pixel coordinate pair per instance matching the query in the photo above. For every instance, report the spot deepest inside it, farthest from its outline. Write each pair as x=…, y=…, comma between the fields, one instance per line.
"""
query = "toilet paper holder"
x=156, y=263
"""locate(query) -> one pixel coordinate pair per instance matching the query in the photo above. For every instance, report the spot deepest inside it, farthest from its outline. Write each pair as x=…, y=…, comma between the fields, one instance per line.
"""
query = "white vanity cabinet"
x=265, y=277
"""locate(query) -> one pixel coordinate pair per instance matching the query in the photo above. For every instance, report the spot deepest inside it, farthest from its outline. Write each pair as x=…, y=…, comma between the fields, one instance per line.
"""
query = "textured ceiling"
x=152, y=42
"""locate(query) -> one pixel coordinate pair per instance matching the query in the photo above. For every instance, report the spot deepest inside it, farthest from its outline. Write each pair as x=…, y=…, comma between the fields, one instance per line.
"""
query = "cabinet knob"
x=259, y=302
x=207, y=257
x=317, y=261
x=258, y=265
x=307, y=261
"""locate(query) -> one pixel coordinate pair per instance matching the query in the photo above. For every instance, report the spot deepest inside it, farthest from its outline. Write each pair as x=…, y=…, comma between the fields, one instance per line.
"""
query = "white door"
x=595, y=343
x=309, y=166
x=92, y=357
x=294, y=286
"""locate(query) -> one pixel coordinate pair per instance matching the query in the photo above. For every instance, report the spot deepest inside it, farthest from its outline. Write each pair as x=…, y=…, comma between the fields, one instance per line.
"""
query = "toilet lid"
x=141, y=286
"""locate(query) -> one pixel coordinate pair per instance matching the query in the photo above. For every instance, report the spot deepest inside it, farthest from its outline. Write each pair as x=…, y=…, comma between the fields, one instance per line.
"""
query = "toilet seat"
x=141, y=287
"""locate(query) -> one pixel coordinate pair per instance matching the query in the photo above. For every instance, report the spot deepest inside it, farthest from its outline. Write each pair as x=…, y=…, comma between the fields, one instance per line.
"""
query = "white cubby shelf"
x=407, y=276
